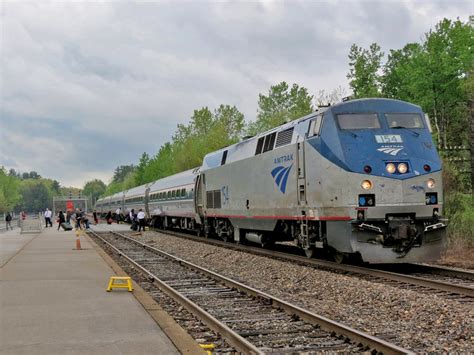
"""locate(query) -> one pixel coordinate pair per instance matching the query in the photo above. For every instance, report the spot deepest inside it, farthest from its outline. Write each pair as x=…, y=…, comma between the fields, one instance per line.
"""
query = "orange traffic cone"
x=78, y=241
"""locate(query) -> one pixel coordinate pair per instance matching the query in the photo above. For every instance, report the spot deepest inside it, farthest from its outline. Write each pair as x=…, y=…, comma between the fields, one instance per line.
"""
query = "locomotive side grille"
x=213, y=199
x=210, y=199
x=284, y=137
x=217, y=198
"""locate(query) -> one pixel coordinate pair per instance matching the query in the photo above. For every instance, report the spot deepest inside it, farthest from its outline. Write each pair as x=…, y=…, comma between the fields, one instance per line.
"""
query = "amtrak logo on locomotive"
x=280, y=173
x=391, y=149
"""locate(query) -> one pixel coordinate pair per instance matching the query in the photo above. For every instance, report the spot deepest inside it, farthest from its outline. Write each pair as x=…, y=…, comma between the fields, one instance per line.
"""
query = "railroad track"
x=249, y=320
x=444, y=282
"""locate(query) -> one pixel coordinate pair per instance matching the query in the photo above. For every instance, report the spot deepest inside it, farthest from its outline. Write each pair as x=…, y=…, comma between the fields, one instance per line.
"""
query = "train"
x=358, y=180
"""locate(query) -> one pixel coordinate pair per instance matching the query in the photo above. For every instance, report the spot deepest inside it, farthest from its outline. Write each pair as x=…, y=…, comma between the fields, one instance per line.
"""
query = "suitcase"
x=66, y=226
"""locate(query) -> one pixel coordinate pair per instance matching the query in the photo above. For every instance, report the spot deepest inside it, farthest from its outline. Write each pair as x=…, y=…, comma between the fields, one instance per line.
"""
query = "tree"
x=365, y=65
x=35, y=196
x=435, y=75
x=282, y=104
x=207, y=131
x=325, y=98
x=94, y=188
x=12, y=172
x=140, y=169
x=121, y=172
x=9, y=194
x=161, y=164
x=232, y=120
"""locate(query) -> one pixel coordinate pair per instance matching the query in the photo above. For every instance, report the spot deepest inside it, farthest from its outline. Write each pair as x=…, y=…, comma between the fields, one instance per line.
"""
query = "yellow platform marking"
x=208, y=348
x=124, y=282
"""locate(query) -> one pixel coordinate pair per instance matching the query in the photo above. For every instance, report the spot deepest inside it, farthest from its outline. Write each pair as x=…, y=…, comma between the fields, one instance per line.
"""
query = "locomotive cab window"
x=349, y=121
x=315, y=126
x=404, y=120
x=224, y=157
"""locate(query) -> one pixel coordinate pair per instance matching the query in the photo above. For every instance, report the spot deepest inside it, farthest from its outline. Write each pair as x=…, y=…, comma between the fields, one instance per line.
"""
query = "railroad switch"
x=123, y=282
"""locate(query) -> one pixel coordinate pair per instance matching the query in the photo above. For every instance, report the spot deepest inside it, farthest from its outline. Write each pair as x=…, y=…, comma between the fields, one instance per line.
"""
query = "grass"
x=459, y=208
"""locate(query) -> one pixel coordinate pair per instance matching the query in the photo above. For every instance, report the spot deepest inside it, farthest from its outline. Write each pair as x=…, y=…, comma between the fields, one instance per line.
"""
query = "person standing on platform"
x=68, y=216
x=47, y=217
x=118, y=211
x=8, y=220
x=96, y=220
x=78, y=218
x=61, y=219
x=108, y=217
x=141, y=220
x=131, y=215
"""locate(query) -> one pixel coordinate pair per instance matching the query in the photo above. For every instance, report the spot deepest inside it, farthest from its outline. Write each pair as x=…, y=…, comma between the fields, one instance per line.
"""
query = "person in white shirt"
x=131, y=215
x=47, y=217
x=141, y=220
x=118, y=212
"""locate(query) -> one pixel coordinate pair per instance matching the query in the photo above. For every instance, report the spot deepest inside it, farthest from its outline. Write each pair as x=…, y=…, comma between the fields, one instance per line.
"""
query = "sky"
x=87, y=86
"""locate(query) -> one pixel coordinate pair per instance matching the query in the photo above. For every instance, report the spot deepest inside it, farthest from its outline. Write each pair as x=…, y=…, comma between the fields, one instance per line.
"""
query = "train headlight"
x=391, y=168
x=430, y=183
x=366, y=185
x=402, y=168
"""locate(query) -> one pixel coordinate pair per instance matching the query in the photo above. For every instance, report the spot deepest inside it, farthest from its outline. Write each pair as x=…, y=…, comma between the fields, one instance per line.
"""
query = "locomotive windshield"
x=404, y=120
x=349, y=121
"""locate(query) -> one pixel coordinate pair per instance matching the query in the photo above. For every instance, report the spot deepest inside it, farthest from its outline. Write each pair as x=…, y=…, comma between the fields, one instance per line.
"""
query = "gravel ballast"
x=417, y=321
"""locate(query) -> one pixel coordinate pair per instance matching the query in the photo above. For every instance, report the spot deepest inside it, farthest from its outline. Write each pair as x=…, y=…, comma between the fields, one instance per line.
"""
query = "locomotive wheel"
x=267, y=243
x=338, y=257
x=310, y=252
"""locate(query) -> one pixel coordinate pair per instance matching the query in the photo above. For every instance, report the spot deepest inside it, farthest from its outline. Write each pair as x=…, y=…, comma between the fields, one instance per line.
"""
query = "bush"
x=460, y=211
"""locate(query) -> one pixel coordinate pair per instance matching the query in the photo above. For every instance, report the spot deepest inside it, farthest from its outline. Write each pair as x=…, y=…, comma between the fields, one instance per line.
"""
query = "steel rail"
x=325, y=323
x=233, y=338
x=442, y=270
x=388, y=275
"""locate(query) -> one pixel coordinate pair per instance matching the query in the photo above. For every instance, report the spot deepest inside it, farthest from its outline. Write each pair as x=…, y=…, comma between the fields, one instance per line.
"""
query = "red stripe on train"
x=322, y=218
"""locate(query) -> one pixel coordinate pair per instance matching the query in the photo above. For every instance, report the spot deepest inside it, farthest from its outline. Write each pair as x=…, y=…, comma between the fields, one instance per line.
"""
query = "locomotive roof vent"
x=284, y=137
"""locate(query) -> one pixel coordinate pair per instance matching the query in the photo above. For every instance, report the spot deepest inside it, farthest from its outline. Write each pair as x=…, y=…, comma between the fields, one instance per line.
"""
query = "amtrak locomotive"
x=360, y=179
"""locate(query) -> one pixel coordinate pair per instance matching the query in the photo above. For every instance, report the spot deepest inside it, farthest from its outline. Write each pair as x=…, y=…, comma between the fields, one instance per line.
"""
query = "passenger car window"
x=404, y=120
x=349, y=121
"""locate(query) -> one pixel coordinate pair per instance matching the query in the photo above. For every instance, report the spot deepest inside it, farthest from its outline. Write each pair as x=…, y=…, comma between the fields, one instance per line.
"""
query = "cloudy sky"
x=87, y=86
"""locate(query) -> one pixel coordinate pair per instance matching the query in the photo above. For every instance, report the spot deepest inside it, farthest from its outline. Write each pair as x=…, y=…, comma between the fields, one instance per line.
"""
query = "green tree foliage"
x=364, y=67
x=121, y=172
x=437, y=75
x=282, y=104
x=140, y=169
x=94, y=188
x=9, y=191
x=35, y=195
x=161, y=164
x=207, y=131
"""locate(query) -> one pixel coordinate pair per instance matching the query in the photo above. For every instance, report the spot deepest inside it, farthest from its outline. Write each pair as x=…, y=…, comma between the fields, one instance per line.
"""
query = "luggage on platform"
x=134, y=226
x=66, y=226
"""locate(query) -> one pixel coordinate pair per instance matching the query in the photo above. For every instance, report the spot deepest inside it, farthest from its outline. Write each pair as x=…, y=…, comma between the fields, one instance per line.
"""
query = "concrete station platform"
x=53, y=301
